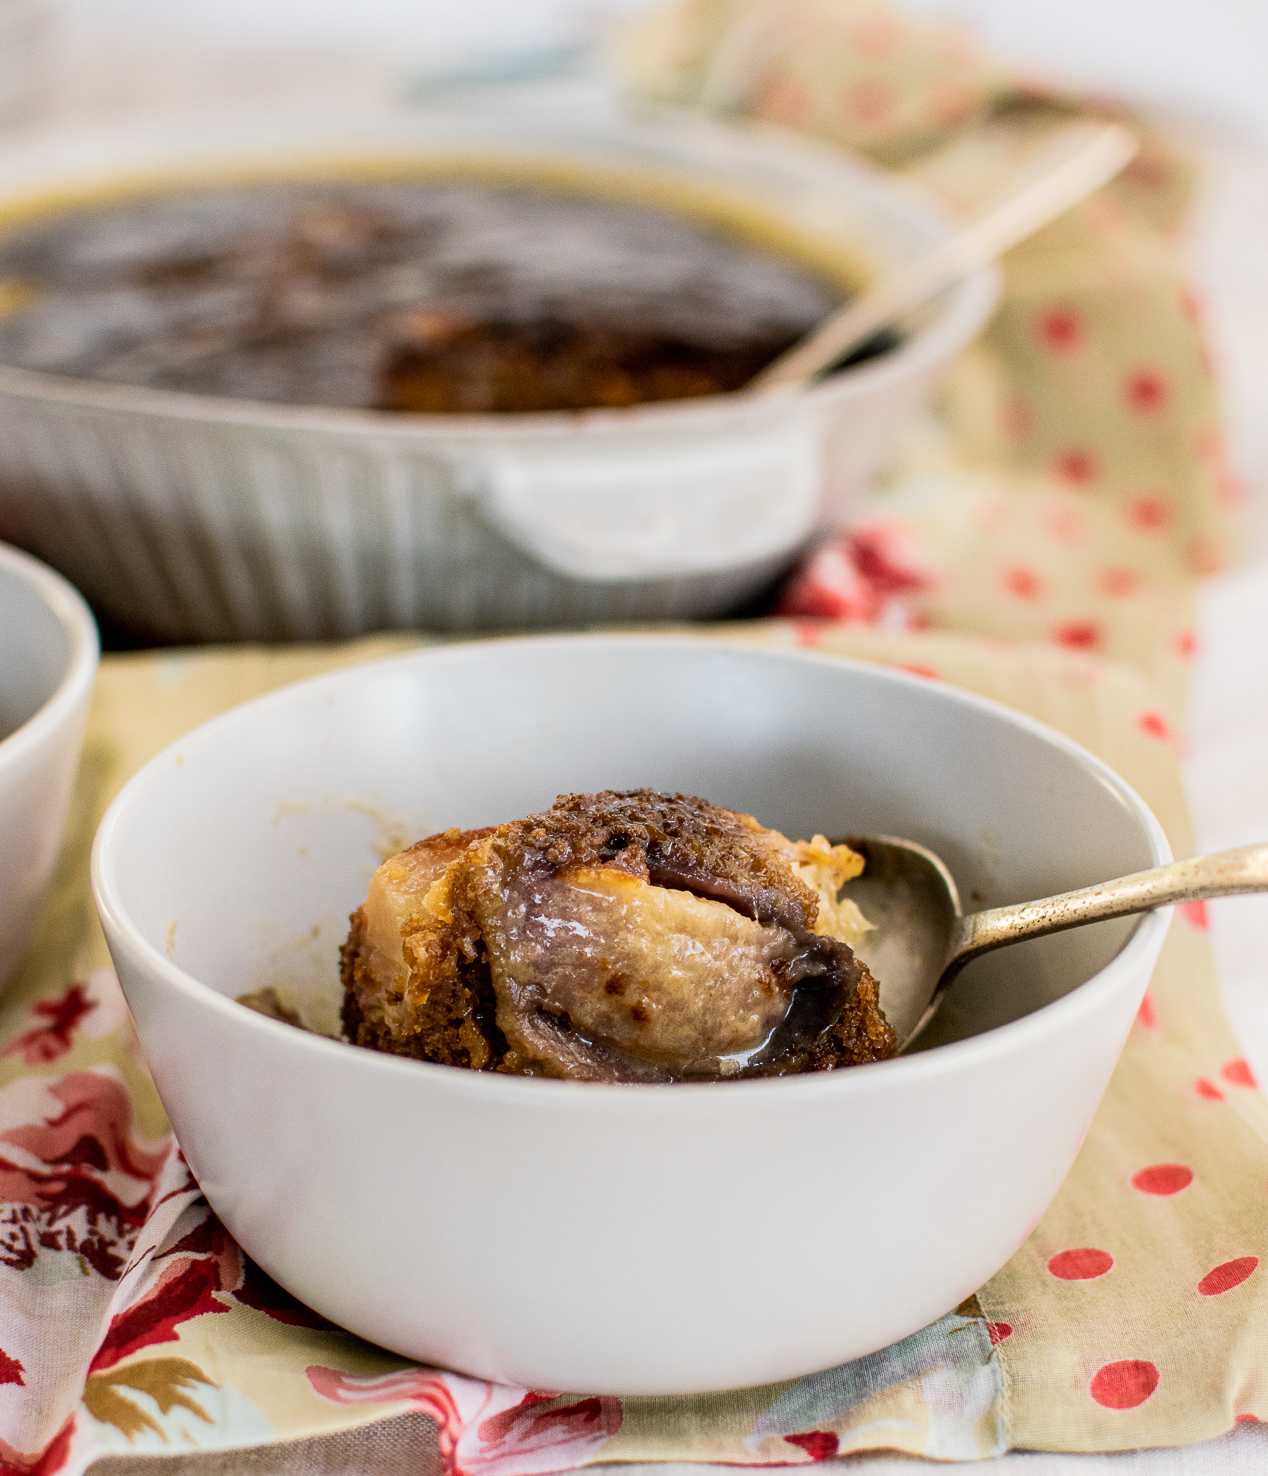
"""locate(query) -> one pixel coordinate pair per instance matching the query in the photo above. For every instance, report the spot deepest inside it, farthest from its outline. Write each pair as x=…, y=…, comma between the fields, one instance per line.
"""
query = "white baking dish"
x=195, y=519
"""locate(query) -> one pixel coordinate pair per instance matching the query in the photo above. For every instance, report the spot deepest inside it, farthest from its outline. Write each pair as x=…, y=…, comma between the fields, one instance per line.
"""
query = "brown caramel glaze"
x=481, y=982
x=451, y=366
x=269, y=1003
x=422, y=295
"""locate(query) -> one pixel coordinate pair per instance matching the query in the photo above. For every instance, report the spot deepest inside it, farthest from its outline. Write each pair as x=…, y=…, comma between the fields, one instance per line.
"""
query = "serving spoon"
x=921, y=938
x=1076, y=161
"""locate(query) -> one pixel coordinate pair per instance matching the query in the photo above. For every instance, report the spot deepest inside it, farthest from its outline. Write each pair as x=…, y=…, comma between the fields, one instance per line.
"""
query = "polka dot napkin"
x=1072, y=486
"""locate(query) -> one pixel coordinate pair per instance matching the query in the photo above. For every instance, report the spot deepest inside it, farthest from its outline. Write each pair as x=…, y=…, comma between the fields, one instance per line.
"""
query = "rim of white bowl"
x=990, y=1044
x=76, y=619
x=965, y=308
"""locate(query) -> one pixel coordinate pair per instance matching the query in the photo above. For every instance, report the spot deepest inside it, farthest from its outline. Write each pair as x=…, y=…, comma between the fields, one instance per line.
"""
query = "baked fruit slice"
x=628, y=936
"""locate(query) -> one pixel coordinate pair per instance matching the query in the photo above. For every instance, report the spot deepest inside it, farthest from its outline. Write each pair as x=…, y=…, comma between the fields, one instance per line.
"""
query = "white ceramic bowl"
x=622, y=1239
x=49, y=642
x=200, y=519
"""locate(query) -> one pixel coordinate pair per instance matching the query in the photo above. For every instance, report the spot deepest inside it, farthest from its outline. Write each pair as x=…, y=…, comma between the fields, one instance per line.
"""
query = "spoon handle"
x=1077, y=161
x=1224, y=874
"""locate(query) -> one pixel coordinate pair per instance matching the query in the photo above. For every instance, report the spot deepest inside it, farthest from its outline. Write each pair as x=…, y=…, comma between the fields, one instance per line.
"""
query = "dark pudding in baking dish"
x=629, y=937
x=443, y=296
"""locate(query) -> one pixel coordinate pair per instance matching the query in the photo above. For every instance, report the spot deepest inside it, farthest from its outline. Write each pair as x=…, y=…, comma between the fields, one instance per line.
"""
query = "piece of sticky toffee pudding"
x=634, y=937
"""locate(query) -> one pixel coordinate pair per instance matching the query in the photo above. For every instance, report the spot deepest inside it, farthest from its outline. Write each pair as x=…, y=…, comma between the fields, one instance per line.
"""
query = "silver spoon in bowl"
x=921, y=938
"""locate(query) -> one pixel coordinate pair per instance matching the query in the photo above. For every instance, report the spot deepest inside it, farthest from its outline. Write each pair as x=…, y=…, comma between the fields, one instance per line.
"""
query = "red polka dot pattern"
x=1227, y=1275
x=1118, y=582
x=1163, y=1179
x=1060, y=329
x=1124, y=1385
x=1148, y=513
x=1145, y=391
x=1208, y=1090
x=1024, y=583
x=1146, y=1015
x=1238, y=1073
x=1078, y=635
x=1076, y=466
x=1195, y=914
x=999, y=1331
x=1083, y=1264
x=1154, y=725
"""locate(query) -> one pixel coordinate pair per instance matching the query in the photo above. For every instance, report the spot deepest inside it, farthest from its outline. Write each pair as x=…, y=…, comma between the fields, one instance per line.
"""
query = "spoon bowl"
x=921, y=939
x=910, y=898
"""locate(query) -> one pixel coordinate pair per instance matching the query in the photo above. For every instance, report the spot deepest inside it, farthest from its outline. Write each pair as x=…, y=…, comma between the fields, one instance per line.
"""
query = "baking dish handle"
x=614, y=513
